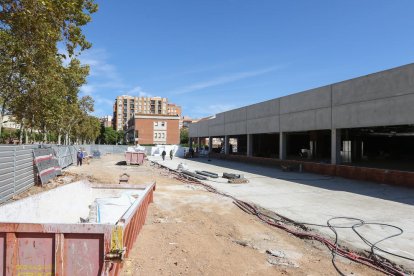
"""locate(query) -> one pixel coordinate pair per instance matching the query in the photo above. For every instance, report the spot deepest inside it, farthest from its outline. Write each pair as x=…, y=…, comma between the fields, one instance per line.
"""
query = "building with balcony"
x=125, y=107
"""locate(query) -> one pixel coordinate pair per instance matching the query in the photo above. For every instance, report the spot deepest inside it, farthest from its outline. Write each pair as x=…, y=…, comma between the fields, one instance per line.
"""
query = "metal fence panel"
x=103, y=149
x=16, y=170
x=66, y=155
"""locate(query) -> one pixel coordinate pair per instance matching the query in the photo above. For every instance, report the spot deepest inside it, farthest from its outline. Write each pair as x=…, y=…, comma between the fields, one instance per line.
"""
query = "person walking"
x=171, y=154
x=79, y=157
x=163, y=154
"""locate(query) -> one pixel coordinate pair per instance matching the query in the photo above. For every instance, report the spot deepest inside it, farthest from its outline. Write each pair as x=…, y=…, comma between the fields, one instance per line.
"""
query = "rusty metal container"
x=136, y=158
x=33, y=244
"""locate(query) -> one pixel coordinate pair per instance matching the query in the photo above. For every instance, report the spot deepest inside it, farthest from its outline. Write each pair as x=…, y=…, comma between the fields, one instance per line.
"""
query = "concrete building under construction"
x=364, y=122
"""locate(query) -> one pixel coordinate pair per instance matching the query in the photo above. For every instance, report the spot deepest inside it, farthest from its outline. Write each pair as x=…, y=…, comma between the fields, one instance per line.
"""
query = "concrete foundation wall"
x=379, y=99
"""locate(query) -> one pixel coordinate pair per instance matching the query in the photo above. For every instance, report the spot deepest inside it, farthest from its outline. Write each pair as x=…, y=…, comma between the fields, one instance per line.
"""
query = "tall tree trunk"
x=59, y=138
x=26, y=138
x=44, y=135
x=21, y=133
x=3, y=110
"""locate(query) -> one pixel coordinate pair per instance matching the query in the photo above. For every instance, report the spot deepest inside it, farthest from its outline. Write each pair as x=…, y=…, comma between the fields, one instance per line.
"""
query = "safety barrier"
x=18, y=167
x=17, y=164
x=103, y=149
x=66, y=155
x=17, y=172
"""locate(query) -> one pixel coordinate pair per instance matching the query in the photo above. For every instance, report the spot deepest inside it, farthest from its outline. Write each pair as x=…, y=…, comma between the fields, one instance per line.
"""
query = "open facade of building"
x=367, y=121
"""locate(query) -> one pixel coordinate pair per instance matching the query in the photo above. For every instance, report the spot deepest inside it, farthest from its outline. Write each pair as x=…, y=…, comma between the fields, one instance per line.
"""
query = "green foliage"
x=109, y=136
x=36, y=85
x=184, y=136
x=8, y=135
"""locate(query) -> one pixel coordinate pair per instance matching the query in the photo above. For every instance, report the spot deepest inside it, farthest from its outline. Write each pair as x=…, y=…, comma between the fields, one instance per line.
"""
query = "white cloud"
x=97, y=59
x=222, y=80
x=137, y=91
x=208, y=110
x=87, y=89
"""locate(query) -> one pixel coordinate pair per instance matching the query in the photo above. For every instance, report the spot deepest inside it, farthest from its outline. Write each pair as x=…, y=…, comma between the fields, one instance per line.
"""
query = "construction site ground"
x=313, y=198
x=190, y=231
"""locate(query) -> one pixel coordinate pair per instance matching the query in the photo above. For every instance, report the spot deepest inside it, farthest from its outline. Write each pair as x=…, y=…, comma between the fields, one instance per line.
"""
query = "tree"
x=34, y=83
x=88, y=129
x=184, y=135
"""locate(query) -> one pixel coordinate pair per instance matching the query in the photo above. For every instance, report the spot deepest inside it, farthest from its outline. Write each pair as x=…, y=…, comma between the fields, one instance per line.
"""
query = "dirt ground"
x=190, y=231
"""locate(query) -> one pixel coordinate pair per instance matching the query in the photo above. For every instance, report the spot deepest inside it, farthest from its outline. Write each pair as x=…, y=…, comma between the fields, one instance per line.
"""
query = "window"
x=162, y=123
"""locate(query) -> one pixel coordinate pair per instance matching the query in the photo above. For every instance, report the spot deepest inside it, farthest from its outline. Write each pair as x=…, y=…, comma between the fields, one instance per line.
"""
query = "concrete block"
x=235, y=128
x=306, y=120
x=263, y=125
x=203, y=128
x=219, y=120
x=216, y=130
x=389, y=83
x=193, y=130
x=390, y=111
x=307, y=100
x=263, y=109
x=235, y=115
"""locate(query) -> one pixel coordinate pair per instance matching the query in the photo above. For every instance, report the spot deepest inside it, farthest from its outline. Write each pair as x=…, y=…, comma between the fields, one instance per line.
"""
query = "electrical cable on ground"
x=374, y=260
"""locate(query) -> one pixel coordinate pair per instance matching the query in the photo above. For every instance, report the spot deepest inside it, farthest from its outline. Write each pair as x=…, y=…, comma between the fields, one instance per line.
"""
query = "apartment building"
x=106, y=121
x=153, y=129
x=126, y=107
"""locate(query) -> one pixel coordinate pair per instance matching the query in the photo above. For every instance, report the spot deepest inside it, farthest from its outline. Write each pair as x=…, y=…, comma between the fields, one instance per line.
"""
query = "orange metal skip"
x=28, y=249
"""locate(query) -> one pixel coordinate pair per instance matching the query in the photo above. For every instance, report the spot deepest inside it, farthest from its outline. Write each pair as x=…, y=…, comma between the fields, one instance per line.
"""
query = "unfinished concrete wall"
x=263, y=117
x=216, y=126
x=203, y=128
x=309, y=110
x=235, y=121
x=383, y=98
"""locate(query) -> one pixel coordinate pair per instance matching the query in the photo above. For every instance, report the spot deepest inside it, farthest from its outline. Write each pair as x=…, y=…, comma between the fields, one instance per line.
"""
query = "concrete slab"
x=315, y=198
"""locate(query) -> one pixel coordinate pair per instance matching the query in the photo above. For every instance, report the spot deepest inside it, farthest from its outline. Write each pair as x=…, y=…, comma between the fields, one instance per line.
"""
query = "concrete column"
x=226, y=144
x=249, y=144
x=336, y=146
x=210, y=143
x=282, y=145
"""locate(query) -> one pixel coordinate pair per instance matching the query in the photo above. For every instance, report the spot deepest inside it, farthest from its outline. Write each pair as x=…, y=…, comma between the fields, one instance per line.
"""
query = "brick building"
x=153, y=129
x=126, y=107
x=106, y=121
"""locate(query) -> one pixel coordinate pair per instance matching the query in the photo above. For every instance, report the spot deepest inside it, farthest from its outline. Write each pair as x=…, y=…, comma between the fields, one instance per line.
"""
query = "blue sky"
x=215, y=55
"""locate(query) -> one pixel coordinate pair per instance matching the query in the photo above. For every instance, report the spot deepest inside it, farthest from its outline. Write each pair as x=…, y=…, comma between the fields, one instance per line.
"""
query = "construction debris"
x=232, y=175
x=238, y=180
x=193, y=175
x=182, y=166
x=207, y=173
x=235, y=178
x=124, y=178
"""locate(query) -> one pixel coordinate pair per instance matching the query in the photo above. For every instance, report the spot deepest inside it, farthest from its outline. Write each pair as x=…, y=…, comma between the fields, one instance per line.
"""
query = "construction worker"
x=163, y=154
x=79, y=158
